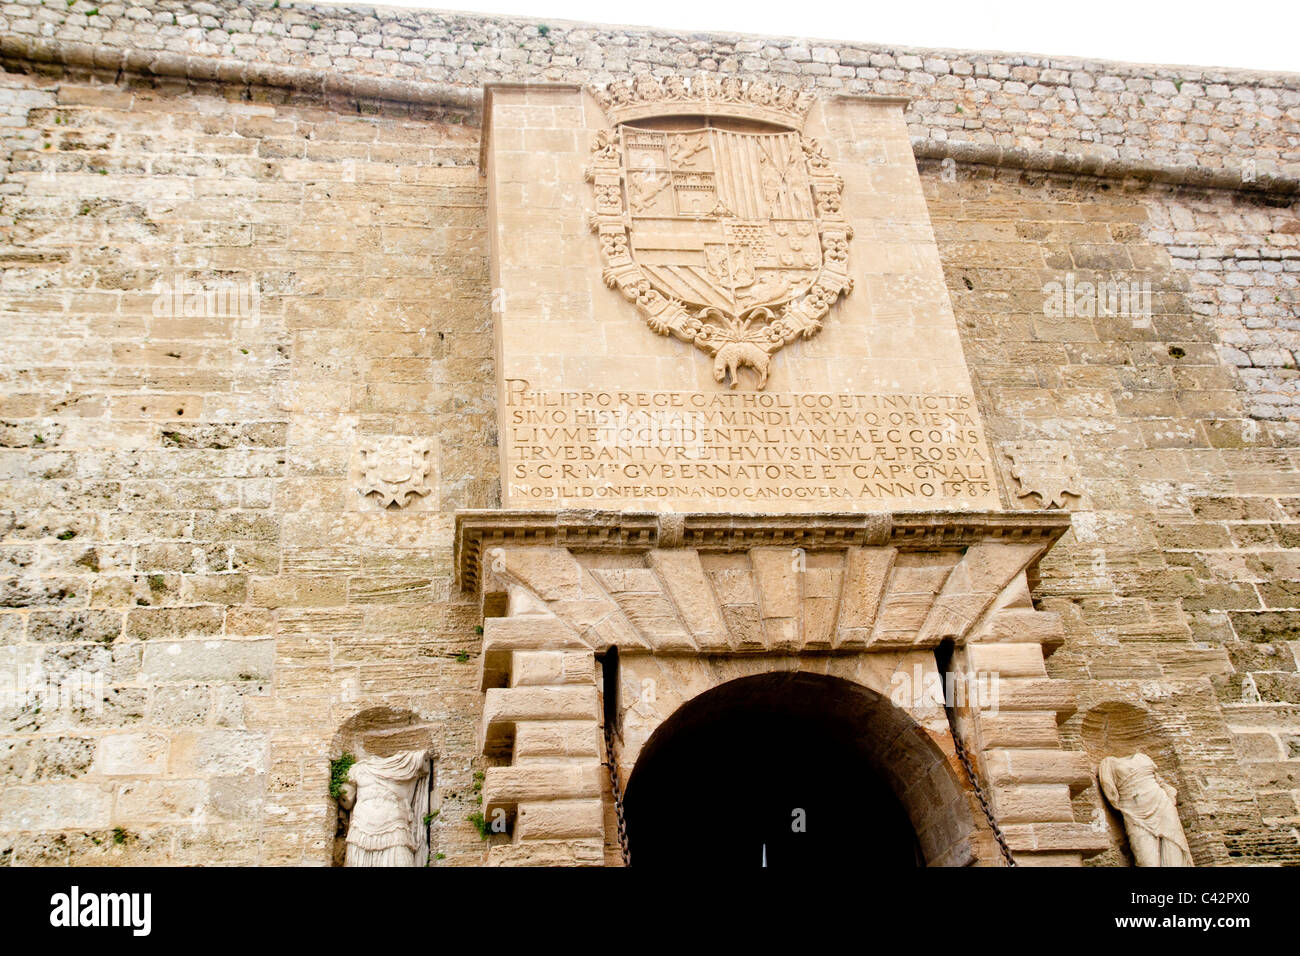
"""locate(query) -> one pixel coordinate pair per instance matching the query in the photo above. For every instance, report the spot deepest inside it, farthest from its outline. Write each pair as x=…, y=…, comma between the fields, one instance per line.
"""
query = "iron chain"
x=617, y=790
x=979, y=791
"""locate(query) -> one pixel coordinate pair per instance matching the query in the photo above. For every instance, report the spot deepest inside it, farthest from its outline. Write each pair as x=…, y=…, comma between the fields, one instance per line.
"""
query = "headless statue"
x=388, y=797
x=1155, y=834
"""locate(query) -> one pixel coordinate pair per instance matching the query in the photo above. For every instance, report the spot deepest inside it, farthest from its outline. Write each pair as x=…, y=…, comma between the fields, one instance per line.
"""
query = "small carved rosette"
x=730, y=239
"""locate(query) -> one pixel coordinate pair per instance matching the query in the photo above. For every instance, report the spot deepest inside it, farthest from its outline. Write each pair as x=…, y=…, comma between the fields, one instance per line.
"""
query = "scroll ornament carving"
x=706, y=94
x=1148, y=805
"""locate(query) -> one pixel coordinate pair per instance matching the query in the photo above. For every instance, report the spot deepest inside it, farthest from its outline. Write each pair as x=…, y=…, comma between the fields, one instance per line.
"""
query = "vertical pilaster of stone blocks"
x=1009, y=724
x=547, y=719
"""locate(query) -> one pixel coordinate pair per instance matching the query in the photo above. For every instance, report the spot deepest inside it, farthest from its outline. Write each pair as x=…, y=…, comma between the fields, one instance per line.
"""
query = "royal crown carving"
x=733, y=240
x=707, y=94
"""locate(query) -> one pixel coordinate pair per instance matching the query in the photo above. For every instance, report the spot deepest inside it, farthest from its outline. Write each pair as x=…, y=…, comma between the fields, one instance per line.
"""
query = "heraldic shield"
x=731, y=240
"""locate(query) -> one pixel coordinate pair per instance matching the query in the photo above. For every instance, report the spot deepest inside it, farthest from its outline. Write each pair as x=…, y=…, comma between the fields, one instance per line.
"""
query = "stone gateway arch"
x=834, y=515
x=604, y=630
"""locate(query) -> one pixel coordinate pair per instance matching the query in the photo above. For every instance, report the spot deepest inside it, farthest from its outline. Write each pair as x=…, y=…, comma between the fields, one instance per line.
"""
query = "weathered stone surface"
x=508, y=786
x=560, y=820
x=132, y=754
x=562, y=738
x=1023, y=766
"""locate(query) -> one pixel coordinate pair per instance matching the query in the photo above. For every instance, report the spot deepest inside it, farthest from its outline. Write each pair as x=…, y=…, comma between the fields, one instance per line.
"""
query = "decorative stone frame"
x=710, y=597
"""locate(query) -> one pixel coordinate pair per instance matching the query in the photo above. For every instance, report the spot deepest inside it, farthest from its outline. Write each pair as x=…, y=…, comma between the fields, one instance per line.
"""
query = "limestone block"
x=1030, y=803
x=1035, y=694
x=550, y=573
x=589, y=852
x=218, y=753
x=778, y=574
x=1030, y=729
x=208, y=660
x=915, y=582
x=502, y=636
x=734, y=586
x=1007, y=660
x=1055, y=837
x=655, y=620
x=976, y=581
x=1006, y=767
x=132, y=754
x=162, y=801
x=866, y=572
x=559, y=820
x=821, y=606
x=1019, y=625
x=539, y=668
x=684, y=581
x=530, y=783
x=538, y=739
x=540, y=703
x=505, y=708
x=56, y=806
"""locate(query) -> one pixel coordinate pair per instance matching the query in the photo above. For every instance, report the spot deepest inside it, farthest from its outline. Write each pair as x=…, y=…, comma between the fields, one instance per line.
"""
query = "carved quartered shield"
x=732, y=240
x=719, y=219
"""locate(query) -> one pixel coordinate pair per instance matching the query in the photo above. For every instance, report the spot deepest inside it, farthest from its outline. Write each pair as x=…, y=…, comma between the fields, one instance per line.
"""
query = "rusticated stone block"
x=548, y=853
x=510, y=786
x=559, y=820
x=1020, y=766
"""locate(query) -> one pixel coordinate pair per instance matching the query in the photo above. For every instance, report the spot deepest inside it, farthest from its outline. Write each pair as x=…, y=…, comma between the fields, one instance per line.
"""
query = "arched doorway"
x=794, y=770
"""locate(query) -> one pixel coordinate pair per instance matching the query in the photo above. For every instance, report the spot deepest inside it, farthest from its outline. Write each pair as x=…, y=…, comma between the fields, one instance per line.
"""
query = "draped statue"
x=389, y=798
x=1155, y=834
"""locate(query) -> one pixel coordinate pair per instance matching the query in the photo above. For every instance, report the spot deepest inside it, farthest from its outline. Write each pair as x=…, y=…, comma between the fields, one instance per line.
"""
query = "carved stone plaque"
x=393, y=472
x=721, y=295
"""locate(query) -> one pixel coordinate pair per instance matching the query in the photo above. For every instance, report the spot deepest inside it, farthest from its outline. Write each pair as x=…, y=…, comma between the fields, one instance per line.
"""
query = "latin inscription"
x=704, y=450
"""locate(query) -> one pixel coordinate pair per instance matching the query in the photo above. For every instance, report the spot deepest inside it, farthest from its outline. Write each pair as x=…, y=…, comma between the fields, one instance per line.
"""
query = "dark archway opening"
x=773, y=768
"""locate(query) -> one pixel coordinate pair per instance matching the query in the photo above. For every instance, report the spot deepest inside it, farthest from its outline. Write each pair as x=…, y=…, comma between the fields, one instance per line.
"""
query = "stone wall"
x=179, y=513
x=1178, y=580
x=1244, y=260
x=1163, y=115
x=180, y=509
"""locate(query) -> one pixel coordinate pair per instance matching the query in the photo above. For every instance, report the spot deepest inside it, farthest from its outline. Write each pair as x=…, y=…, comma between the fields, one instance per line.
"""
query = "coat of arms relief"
x=717, y=217
x=394, y=470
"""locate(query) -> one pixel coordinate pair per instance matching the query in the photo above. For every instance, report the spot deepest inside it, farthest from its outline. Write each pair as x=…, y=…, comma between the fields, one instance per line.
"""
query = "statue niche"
x=1148, y=804
x=384, y=789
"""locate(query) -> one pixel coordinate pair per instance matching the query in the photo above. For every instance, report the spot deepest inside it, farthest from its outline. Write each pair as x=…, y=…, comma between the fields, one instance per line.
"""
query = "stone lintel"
x=638, y=532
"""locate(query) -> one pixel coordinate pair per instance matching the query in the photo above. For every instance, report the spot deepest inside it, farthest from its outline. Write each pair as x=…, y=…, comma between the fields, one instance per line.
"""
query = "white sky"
x=1253, y=34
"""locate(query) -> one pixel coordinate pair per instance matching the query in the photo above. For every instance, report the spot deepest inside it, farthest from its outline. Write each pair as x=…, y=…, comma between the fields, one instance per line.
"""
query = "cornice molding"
x=635, y=532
